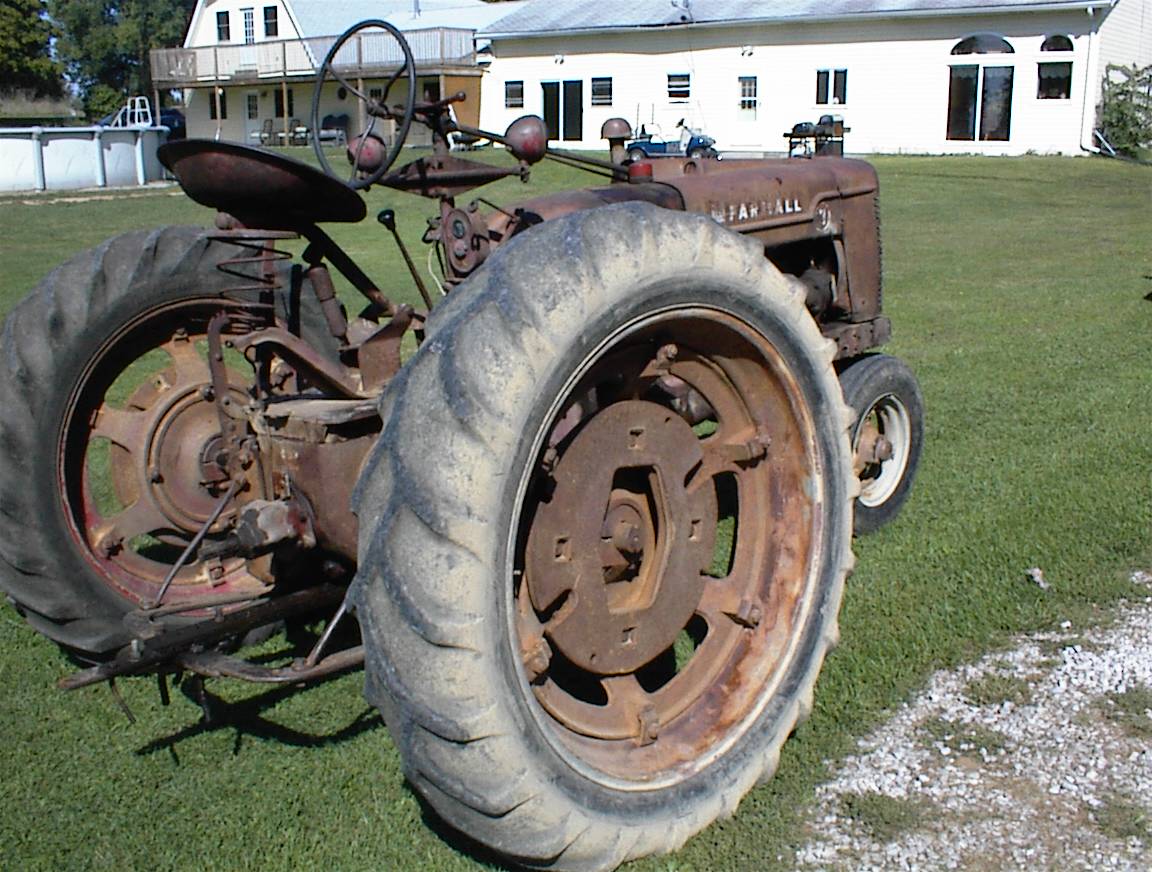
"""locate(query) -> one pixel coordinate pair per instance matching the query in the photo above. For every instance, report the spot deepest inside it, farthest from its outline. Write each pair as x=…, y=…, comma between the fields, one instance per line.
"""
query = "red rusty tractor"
x=595, y=529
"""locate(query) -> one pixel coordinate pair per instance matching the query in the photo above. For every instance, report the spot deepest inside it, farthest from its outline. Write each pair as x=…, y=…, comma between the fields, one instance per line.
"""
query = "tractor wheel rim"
x=651, y=684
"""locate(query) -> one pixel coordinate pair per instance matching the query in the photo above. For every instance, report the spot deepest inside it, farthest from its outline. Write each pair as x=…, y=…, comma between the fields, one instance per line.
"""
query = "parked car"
x=692, y=143
x=173, y=119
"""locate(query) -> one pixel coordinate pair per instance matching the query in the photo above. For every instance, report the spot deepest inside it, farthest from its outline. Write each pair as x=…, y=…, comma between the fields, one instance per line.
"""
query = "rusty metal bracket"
x=302, y=356
x=171, y=644
x=380, y=353
x=212, y=664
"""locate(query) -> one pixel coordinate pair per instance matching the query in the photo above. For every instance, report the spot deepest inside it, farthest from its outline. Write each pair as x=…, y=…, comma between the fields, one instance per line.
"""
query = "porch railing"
x=366, y=53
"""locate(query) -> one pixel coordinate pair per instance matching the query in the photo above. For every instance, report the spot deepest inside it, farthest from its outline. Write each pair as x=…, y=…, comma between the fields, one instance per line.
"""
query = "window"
x=223, y=28
x=839, y=80
x=249, y=25
x=1054, y=81
x=602, y=91
x=253, y=103
x=514, y=95
x=979, y=96
x=992, y=112
x=1054, y=78
x=280, y=103
x=840, y=87
x=748, y=99
x=222, y=95
x=1056, y=42
x=983, y=43
x=271, y=22
x=679, y=87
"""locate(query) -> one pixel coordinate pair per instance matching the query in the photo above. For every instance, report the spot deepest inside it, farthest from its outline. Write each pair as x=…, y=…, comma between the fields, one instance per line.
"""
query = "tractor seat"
x=260, y=188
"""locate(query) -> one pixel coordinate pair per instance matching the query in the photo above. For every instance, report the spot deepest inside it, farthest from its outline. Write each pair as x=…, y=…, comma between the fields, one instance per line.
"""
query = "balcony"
x=367, y=55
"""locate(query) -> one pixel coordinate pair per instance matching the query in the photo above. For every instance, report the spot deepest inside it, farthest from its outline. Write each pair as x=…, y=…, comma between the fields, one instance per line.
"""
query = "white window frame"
x=601, y=99
x=749, y=96
x=827, y=96
x=249, y=14
x=511, y=102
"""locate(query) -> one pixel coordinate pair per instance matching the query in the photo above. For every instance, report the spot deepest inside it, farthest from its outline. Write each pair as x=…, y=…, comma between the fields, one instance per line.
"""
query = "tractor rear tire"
x=885, y=398
x=592, y=617
x=103, y=346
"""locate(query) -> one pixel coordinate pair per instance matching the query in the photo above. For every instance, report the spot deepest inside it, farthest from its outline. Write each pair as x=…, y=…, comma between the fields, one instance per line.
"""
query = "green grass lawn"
x=1016, y=288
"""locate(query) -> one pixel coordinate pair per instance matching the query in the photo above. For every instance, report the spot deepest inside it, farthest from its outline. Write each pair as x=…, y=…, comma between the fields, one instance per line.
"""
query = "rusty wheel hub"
x=665, y=544
x=143, y=462
x=176, y=448
x=619, y=552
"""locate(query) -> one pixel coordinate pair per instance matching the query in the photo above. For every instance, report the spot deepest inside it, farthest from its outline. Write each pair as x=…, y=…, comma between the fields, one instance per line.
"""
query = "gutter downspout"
x=1087, y=125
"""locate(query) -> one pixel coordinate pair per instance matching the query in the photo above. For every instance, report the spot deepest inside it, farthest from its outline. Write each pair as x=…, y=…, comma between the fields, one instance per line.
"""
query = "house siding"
x=897, y=86
x=1126, y=35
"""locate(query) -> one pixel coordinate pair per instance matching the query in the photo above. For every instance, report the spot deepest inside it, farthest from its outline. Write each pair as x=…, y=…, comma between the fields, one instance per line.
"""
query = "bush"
x=1126, y=108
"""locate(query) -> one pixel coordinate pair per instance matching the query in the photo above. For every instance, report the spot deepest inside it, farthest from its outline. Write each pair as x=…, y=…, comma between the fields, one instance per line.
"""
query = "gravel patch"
x=1035, y=757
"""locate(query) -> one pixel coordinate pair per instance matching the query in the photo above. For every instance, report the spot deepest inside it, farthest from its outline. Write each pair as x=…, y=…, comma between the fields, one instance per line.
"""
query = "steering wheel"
x=382, y=52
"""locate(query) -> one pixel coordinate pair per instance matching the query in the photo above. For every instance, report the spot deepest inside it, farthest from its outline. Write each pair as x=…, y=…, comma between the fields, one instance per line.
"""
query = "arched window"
x=980, y=94
x=983, y=43
x=1054, y=78
x=1056, y=42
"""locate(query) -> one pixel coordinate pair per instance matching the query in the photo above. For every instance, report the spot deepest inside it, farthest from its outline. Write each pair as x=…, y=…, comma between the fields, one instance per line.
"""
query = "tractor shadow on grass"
x=247, y=717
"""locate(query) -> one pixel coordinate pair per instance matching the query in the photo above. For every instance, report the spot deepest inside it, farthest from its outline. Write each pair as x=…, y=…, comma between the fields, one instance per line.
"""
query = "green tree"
x=25, y=55
x=104, y=45
x=1126, y=108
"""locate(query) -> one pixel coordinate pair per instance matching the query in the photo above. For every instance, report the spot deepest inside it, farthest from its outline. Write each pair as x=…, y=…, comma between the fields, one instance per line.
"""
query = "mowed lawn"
x=1017, y=290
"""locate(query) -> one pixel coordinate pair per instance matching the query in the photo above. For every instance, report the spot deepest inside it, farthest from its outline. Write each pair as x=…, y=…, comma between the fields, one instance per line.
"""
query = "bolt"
x=664, y=357
x=748, y=614
x=649, y=726
x=206, y=393
x=537, y=659
x=882, y=449
x=548, y=461
x=155, y=475
x=626, y=537
x=216, y=571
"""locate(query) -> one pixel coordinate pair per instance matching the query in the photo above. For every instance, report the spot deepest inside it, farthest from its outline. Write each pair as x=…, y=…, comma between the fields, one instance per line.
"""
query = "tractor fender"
x=532, y=212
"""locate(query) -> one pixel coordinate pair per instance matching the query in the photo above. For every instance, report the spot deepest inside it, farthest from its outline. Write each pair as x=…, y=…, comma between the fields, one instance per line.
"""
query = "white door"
x=248, y=59
x=252, y=123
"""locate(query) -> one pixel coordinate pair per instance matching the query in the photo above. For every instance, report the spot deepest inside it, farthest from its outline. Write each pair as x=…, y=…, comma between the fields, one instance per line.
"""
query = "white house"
x=936, y=76
x=247, y=67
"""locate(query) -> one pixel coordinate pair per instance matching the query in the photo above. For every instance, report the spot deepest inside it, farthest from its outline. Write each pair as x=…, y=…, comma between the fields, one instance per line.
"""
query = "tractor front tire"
x=886, y=401
x=604, y=536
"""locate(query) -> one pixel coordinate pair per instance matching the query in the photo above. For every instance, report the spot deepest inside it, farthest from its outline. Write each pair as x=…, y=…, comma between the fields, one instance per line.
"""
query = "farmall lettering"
x=745, y=211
